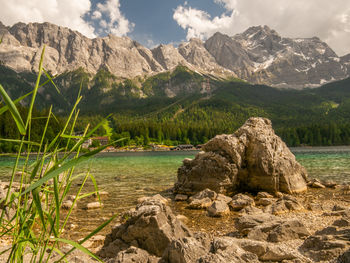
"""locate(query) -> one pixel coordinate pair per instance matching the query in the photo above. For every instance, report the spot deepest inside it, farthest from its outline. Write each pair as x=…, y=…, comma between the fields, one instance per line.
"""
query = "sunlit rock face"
x=252, y=159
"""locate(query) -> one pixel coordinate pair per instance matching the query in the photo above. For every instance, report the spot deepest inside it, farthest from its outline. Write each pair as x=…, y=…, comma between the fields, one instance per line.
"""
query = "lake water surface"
x=128, y=176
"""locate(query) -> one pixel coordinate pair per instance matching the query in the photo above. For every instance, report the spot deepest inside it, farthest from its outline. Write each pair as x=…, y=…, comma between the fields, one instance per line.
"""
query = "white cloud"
x=68, y=13
x=61, y=12
x=329, y=20
x=116, y=23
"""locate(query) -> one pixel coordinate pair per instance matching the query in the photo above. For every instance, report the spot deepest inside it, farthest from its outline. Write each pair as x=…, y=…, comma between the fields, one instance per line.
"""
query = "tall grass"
x=31, y=216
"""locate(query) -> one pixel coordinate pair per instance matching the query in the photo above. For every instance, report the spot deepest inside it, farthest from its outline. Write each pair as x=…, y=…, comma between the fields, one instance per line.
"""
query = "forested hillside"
x=186, y=107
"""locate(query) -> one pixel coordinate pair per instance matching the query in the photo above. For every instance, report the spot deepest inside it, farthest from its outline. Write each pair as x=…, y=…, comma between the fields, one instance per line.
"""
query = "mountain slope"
x=258, y=55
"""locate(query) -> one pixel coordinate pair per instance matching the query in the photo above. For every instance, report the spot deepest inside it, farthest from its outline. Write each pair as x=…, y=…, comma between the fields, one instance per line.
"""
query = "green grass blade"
x=69, y=164
x=36, y=87
x=20, y=141
x=14, y=112
x=57, y=202
x=98, y=229
x=96, y=188
x=51, y=80
x=38, y=206
x=5, y=108
x=76, y=246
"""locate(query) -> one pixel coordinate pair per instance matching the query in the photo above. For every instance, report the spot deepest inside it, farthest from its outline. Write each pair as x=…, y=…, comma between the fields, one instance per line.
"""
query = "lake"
x=128, y=176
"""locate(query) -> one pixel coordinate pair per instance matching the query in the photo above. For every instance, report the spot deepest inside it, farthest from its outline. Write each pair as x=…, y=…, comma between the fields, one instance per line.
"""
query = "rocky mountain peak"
x=258, y=55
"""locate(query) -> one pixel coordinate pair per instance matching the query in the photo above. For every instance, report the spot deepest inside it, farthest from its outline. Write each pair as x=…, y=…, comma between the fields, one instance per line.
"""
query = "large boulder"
x=151, y=227
x=252, y=159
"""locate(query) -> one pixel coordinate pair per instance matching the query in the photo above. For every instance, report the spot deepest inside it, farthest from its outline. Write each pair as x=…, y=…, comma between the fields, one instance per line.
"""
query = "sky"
x=154, y=22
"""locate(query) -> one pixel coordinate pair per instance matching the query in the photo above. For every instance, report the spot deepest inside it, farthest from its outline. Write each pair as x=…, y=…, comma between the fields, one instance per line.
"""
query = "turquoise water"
x=128, y=176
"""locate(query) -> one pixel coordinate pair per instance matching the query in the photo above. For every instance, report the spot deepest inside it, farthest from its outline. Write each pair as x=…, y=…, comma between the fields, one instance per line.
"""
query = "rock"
x=183, y=250
x=253, y=159
x=266, y=251
x=265, y=201
x=71, y=197
x=263, y=195
x=152, y=227
x=343, y=222
x=277, y=231
x=227, y=249
x=94, y=205
x=246, y=223
x=101, y=194
x=240, y=201
x=224, y=198
x=182, y=218
x=133, y=254
x=323, y=248
x=67, y=204
x=200, y=203
x=206, y=193
x=284, y=205
x=157, y=197
x=250, y=210
x=218, y=209
x=180, y=197
x=330, y=184
x=329, y=243
x=317, y=185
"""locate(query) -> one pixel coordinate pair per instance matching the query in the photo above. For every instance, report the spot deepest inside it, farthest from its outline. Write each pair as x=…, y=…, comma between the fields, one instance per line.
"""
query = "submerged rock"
x=253, y=159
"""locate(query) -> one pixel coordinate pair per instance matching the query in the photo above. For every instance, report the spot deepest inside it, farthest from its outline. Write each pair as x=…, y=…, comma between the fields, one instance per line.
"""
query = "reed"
x=31, y=217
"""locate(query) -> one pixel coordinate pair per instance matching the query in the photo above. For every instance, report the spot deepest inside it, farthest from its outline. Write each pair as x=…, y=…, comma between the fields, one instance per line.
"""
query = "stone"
x=102, y=194
x=71, y=197
x=180, y=197
x=266, y=251
x=186, y=249
x=218, y=209
x=227, y=249
x=323, y=247
x=250, y=210
x=224, y=198
x=133, y=254
x=277, y=231
x=200, y=203
x=265, y=201
x=152, y=227
x=206, y=193
x=252, y=159
x=182, y=218
x=263, y=195
x=67, y=204
x=317, y=185
x=94, y=205
x=246, y=223
x=157, y=197
x=284, y=205
x=240, y=201
x=330, y=184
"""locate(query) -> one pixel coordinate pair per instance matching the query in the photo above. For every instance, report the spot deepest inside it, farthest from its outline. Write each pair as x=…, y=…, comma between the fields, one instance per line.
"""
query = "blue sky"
x=153, y=22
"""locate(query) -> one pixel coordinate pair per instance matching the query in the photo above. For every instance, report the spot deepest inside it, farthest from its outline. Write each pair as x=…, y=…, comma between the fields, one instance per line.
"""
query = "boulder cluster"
x=152, y=233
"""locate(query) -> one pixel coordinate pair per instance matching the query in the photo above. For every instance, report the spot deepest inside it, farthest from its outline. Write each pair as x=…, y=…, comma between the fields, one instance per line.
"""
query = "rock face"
x=254, y=159
x=261, y=55
x=258, y=55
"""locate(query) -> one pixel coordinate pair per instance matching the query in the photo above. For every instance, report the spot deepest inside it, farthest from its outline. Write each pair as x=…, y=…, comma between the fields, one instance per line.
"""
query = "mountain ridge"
x=258, y=55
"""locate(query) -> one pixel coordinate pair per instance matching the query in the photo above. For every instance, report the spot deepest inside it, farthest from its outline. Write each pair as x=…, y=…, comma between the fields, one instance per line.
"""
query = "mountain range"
x=259, y=56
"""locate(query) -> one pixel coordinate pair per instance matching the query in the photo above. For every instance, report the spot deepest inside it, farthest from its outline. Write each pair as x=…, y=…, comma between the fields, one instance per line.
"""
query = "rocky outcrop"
x=254, y=159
